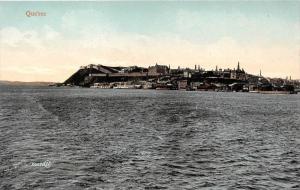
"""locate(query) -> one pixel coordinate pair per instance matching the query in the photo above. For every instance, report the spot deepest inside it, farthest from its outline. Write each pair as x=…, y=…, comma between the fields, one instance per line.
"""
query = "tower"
x=238, y=67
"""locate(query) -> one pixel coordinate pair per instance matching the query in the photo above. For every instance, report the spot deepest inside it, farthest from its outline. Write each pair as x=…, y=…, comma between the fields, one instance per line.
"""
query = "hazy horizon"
x=260, y=35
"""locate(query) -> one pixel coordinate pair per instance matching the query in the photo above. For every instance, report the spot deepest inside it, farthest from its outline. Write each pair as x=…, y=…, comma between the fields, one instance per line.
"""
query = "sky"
x=261, y=35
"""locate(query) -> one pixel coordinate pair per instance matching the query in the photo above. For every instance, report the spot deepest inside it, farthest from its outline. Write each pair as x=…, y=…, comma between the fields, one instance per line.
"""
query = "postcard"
x=149, y=95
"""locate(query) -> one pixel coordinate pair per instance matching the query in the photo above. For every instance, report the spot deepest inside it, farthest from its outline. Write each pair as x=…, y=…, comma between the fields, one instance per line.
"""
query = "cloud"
x=205, y=27
x=13, y=37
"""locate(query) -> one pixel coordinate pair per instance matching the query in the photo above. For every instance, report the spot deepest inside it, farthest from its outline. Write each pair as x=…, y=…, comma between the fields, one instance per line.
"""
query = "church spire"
x=238, y=67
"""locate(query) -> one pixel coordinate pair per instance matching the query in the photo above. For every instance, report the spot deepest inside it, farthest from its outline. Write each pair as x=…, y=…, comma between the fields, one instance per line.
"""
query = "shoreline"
x=194, y=90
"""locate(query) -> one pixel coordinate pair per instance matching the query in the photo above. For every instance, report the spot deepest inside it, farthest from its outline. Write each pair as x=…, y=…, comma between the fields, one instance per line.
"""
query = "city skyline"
x=50, y=46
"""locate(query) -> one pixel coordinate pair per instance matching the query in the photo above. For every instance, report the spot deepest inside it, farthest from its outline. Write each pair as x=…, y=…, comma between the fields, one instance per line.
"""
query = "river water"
x=74, y=138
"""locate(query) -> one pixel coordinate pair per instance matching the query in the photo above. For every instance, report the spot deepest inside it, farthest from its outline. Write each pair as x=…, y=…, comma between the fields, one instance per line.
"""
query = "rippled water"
x=68, y=138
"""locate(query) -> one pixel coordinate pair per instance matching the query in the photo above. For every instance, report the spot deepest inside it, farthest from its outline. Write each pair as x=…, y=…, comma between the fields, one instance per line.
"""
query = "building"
x=238, y=74
x=159, y=69
x=182, y=84
x=226, y=73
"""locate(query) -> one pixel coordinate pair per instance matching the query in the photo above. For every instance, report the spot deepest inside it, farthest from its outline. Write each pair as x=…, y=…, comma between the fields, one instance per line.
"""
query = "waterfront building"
x=182, y=84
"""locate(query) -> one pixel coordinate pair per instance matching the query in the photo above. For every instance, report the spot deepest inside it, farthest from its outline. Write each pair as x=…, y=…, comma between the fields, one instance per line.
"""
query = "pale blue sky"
x=201, y=21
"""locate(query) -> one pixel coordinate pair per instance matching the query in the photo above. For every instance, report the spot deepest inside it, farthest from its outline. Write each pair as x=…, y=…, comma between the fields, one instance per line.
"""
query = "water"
x=69, y=138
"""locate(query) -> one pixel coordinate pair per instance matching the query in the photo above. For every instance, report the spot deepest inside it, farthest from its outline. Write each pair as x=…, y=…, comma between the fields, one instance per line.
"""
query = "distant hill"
x=37, y=83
